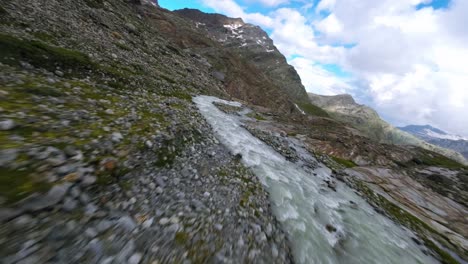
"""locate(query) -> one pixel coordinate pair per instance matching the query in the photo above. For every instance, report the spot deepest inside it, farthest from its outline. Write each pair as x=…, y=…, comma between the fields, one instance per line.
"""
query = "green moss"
x=18, y=184
x=313, y=110
x=256, y=116
x=41, y=55
x=435, y=159
x=3, y=12
x=168, y=78
x=122, y=46
x=95, y=3
x=344, y=162
x=45, y=37
x=180, y=95
x=43, y=91
x=181, y=238
x=125, y=185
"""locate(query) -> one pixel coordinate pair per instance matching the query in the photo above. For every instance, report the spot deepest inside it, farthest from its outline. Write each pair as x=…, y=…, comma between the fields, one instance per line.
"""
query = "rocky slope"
x=439, y=138
x=253, y=44
x=104, y=158
x=367, y=121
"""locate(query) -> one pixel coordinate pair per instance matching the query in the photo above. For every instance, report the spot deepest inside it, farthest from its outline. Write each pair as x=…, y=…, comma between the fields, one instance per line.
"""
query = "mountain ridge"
x=252, y=43
x=368, y=121
x=439, y=137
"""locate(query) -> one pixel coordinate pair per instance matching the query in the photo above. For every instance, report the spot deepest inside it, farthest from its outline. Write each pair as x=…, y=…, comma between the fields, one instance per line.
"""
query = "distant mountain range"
x=366, y=120
x=439, y=137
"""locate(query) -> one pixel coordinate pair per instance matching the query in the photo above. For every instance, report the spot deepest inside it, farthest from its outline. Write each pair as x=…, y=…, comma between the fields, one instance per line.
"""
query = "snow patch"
x=233, y=26
x=298, y=108
x=433, y=134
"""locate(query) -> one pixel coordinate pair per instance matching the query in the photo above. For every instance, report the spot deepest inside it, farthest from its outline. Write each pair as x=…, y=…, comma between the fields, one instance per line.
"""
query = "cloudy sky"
x=408, y=59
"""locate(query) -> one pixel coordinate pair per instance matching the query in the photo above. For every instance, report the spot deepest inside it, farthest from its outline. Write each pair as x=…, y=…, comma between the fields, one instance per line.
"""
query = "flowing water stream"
x=321, y=224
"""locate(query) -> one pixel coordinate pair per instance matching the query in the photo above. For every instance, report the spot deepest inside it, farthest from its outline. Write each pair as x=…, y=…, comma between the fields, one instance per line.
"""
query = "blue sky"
x=404, y=58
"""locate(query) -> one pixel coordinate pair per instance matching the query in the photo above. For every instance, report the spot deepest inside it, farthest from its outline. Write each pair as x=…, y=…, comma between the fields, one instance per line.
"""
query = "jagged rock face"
x=253, y=44
x=242, y=78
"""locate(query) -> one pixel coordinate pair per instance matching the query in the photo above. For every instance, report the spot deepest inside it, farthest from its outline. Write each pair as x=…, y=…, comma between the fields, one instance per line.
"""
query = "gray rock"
x=54, y=196
x=109, y=111
x=159, y=190
x=117, y=137
x=135, y=258
x=69, y=204
x=108, y=260
x=84, y=198
x=103, y=226
x=148, y=223
x=7, y=156
x=164, y=221
x=219, y=75
x=127, y=223
x=90, y=209
x=91, y=232
x=88, y=180
x=59, y=73
x=7, y=213
x=125, y=252
x=7, y=124
x=131, y=28
x=75, y=192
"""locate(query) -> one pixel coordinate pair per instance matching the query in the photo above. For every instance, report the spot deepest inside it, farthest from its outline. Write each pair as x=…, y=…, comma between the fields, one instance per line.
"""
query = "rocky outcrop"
x=252, y=44
x=368, y=122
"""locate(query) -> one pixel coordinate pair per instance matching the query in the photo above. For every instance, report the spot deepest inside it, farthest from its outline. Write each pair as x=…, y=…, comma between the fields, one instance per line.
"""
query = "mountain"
x=439, y=137
x=251, y=43
x=366, y=120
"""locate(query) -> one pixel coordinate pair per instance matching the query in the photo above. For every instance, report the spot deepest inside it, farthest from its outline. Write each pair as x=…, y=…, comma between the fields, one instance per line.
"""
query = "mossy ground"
x=256, y=116
x=346, y=163
x=313, y=110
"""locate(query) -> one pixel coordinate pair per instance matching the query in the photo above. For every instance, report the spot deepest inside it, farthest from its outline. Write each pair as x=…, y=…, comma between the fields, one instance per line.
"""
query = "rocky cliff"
x=253, y=44
x=367, y=121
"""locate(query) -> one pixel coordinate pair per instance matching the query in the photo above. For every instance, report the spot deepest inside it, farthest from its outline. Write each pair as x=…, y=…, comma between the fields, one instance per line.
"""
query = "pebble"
x=164, y=221
x=103, y=226
x=117, y=137
x=159, y=190
x=54, y=196
x=7, y=124
x=127, y=223
x=69, y=204
x=148, y=223
x=109, y=111
x=59, y=73
x=135, y=258
x=88, y=180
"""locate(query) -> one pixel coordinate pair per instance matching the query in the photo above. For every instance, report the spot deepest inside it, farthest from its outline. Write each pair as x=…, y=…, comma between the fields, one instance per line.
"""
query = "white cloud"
x=270, y=3
x=317, y=80
x=410, y=64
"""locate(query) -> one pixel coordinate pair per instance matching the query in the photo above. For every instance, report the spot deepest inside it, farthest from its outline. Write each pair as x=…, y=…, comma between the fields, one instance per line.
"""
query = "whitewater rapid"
x=308, y=211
